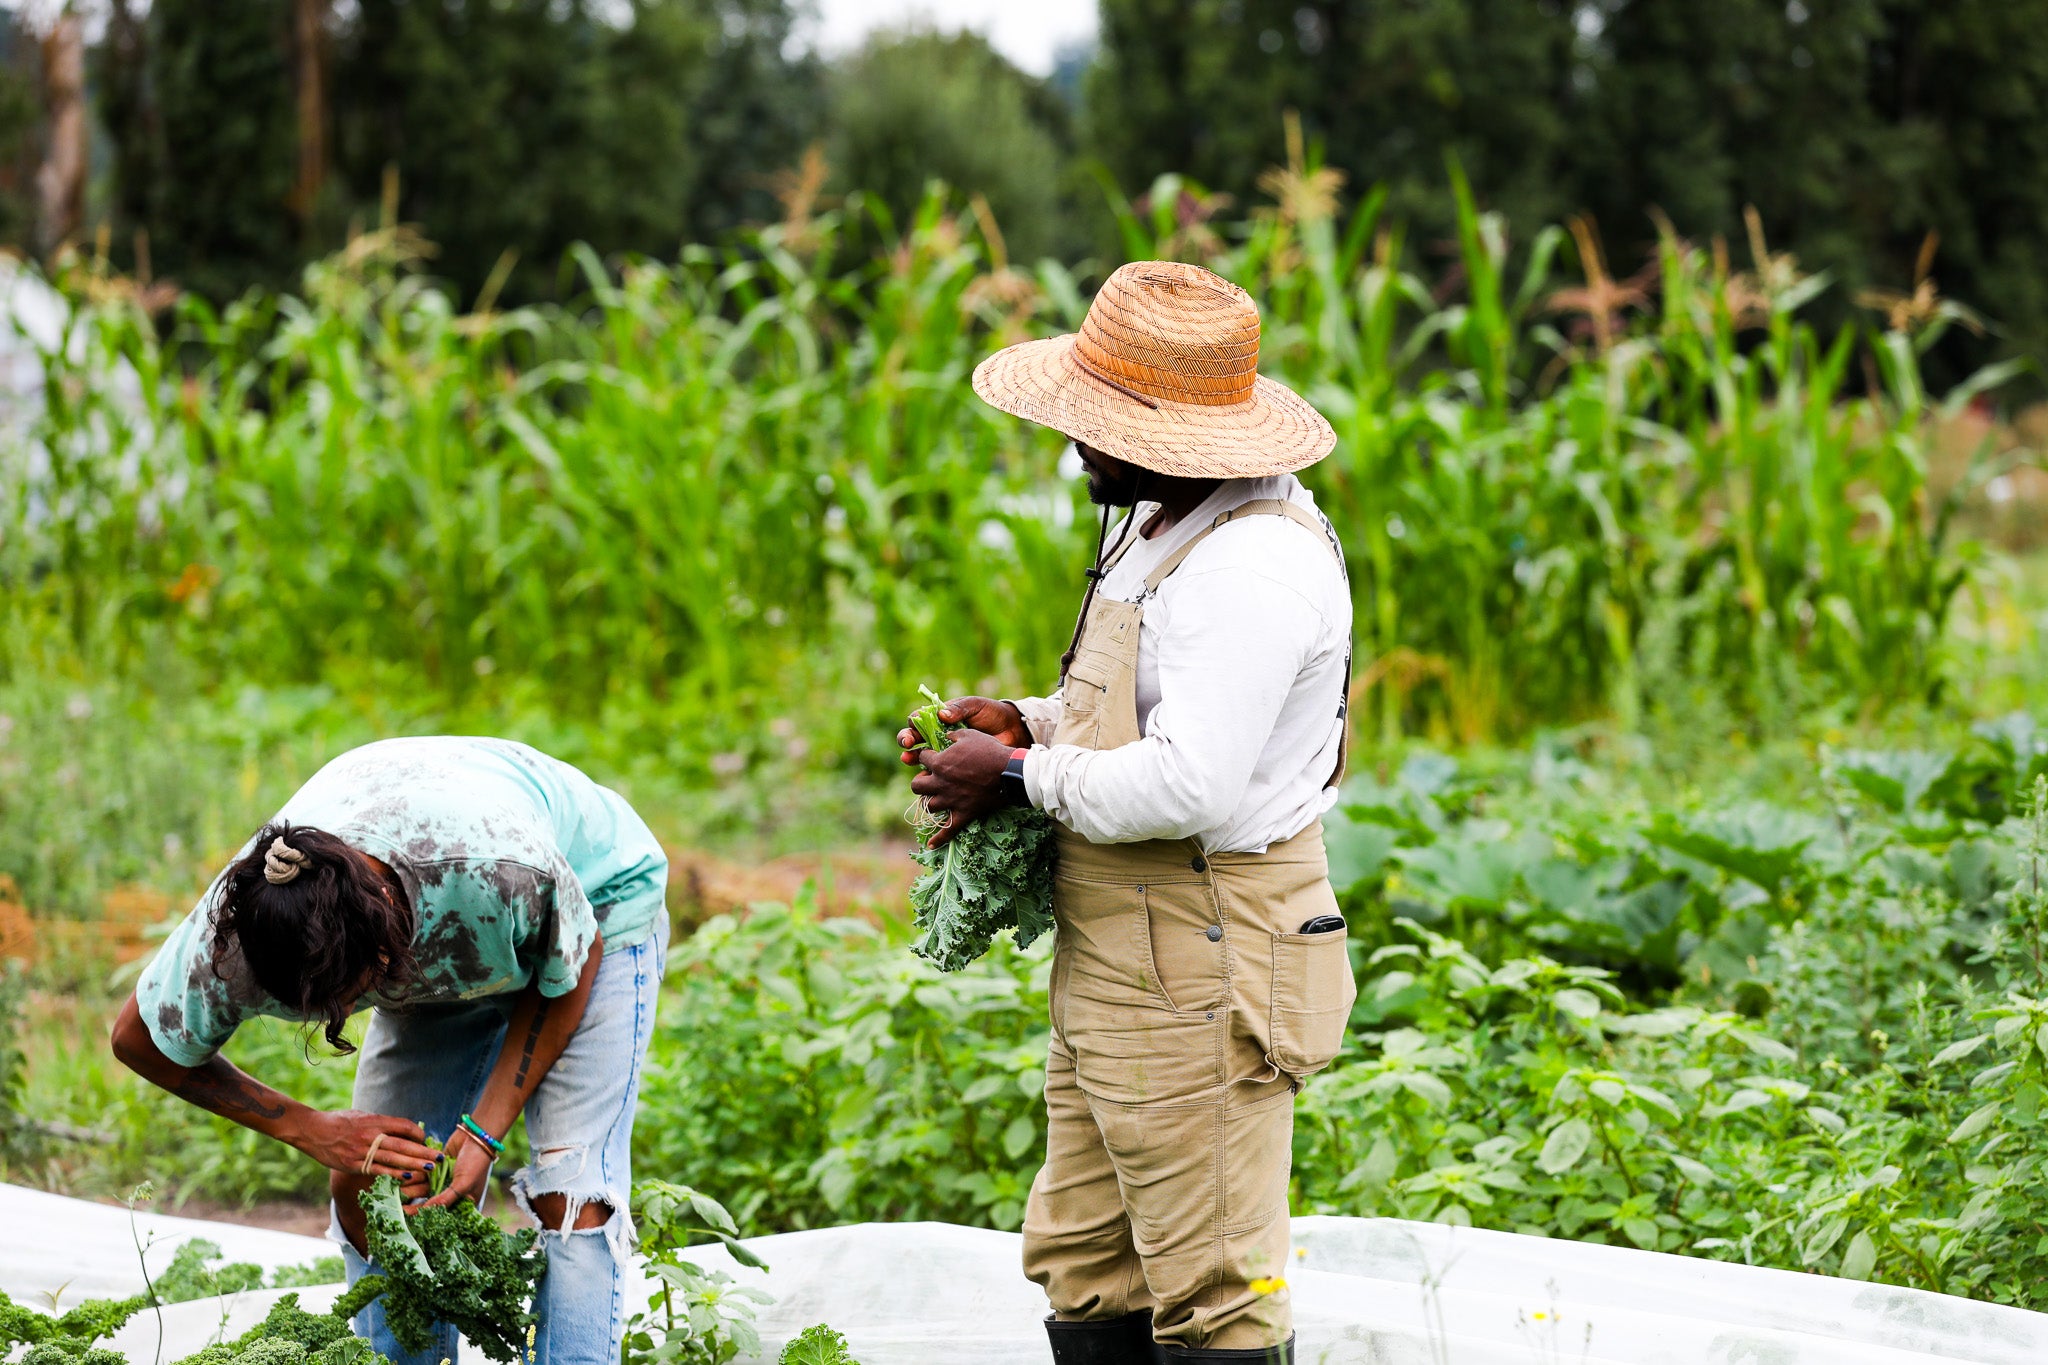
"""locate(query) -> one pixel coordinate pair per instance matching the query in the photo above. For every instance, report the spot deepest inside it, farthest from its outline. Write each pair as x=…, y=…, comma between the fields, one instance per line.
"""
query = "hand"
x=472, y=1170
x=340, y=1139
x=999, y=718
x=962, y=780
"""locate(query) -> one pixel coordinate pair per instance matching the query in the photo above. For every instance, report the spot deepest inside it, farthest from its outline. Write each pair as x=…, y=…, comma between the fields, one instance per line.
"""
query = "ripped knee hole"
x=549, y=1208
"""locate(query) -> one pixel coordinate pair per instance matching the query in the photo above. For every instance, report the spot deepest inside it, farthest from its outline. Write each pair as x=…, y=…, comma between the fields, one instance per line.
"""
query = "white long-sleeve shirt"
x=1240, y=669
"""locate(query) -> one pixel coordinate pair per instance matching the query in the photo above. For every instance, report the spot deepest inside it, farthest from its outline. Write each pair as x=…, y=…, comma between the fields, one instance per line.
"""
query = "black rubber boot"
x=1112, y=1341
x=1265, y=1355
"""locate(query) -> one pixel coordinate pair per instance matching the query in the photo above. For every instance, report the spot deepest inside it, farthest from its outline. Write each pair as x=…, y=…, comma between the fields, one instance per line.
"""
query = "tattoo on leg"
x=533, y=1032
x=220, y=1088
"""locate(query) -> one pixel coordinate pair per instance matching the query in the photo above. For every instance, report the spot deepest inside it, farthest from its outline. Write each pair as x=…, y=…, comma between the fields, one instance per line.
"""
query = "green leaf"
x=1580, y=1004
x=1823, y=1240
x=1957, y=1051
x=1641, y=1231
x=1861, y=1257
x=1020, y=1137
x=1565, y=1145
x=1976, y=1123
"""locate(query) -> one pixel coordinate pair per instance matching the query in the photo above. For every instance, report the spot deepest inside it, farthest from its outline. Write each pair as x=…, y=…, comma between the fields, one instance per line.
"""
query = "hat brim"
x=1275, y=431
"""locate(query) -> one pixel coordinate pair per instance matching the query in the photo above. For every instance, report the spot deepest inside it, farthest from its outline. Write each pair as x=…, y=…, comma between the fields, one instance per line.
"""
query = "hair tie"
x=282, y=862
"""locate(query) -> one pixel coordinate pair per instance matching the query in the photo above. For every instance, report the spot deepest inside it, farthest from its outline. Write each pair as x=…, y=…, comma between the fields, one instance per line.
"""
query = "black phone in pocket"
x=1323, y=924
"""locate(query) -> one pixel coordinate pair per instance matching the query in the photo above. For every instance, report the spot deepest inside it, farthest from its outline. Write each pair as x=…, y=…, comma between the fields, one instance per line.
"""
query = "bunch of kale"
x=292, y=1336
x=288, y=1336
x=451, y=1264
x=993, y=875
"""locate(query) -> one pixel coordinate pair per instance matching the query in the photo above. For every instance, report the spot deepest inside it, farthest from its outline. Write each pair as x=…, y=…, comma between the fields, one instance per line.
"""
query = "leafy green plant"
x=817, y=1345
x=826, y=1076
x=695, y=1317
x=449, y=1263
x=995, y=874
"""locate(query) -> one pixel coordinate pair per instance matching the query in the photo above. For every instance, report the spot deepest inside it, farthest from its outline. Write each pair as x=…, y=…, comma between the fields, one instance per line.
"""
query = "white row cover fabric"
x=55, y=1252
x=1366, y=1292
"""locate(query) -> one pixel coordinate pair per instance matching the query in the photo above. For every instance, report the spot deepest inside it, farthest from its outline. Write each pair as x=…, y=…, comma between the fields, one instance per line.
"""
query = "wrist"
x=494, y=1115
x=298, y=1127
x=1011, y=783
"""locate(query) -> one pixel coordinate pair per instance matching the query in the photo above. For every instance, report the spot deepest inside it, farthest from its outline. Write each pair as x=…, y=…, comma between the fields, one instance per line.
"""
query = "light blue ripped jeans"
x=430, y=1063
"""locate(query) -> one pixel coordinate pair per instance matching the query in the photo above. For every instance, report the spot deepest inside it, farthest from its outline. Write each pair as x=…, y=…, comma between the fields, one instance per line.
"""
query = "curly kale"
x=451, y=1264
x=292, y=1336
x=192, y=1274
x=72, y=1333
x=996, y=874
x=818, y=1345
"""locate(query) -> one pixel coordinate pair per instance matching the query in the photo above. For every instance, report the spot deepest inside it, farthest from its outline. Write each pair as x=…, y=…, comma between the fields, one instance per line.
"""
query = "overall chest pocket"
x=1082, y=700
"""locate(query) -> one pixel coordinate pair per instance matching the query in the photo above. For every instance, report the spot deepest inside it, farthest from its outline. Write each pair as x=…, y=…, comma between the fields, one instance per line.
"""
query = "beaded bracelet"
x=476, y=1130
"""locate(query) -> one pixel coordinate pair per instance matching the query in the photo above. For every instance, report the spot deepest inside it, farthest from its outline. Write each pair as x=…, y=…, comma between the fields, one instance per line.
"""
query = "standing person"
x=1196, y=739
x=503, y=917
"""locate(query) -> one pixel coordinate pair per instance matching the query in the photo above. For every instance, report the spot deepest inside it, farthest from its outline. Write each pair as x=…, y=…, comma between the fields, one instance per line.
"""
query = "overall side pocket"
x=1312, y=995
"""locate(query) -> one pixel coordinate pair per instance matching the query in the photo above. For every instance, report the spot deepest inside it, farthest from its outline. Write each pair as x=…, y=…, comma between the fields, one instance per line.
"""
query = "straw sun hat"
x=1163, y=374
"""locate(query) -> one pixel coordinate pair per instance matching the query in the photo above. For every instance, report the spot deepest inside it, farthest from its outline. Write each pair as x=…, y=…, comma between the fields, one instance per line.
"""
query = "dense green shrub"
x=819, y=1073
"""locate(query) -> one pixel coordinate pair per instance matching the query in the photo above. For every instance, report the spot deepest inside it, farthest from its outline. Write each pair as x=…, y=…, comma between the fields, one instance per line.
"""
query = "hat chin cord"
x=1097, y=573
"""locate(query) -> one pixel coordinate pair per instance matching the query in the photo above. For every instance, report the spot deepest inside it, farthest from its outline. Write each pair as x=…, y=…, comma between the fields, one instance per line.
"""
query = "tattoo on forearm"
x=533, y=1032
x=218, y=1087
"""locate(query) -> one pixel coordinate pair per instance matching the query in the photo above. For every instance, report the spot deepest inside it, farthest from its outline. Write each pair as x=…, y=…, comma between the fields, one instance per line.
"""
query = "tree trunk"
x=60, y=181
x=309, y=50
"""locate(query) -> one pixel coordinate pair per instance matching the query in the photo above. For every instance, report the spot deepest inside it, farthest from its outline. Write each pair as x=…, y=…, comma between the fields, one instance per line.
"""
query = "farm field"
x=1693, y=854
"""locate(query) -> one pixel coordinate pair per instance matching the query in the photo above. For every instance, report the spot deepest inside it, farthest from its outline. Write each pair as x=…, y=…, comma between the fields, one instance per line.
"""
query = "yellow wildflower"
x=1268, y=1285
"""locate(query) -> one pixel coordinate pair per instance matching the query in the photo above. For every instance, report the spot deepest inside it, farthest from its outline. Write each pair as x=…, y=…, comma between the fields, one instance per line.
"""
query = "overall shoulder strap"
x=1258, y=507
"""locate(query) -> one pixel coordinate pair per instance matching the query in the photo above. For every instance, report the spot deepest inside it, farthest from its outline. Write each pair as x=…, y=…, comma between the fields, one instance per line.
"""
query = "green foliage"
x=1855, y=126
x=16, y=1138
x=818, y=1345
x=214, y=151
x=822, y=1075
x=72, y=1332
x=1706, y=1027
x=622, y=126
x=916, y=106
x=695, y=1316
x=1692, y=499
x=451, y=1264
x=192, y=1274
x=996, y=874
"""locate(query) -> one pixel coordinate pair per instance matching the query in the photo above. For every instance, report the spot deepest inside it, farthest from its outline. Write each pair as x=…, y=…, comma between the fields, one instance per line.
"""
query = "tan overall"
x=1185, y=1011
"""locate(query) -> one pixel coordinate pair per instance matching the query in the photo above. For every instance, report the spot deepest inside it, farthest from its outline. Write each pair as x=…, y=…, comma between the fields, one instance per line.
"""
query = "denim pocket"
x=1312, y=995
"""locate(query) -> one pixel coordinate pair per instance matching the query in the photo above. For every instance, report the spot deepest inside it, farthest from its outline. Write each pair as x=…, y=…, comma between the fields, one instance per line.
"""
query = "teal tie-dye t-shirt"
x=513, y=863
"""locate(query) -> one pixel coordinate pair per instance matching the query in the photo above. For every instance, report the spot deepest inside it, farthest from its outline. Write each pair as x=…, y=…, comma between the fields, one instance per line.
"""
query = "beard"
x=1113, y=490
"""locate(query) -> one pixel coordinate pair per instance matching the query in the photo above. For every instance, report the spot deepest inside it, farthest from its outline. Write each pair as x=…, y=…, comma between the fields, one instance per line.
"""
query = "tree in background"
x=915, y=106
x=1854, y=126
x=1388, y=86
x=214, y=148
x=248, y=134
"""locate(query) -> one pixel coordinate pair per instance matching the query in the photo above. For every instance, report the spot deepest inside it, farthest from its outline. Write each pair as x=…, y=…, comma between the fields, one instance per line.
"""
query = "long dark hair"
x=314, y=943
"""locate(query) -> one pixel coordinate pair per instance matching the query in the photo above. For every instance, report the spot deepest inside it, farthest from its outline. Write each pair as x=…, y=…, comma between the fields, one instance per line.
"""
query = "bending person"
x=502, y=916
x=1200, y=971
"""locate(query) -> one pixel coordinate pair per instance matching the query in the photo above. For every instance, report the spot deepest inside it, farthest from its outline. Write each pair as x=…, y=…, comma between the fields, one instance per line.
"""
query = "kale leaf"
x=996, y=874
x=818, y=1345
x=451, y=1264
x=72, y=1333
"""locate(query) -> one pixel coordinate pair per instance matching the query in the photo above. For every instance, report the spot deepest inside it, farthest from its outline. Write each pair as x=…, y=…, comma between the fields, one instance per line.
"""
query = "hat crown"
x=1174, y=332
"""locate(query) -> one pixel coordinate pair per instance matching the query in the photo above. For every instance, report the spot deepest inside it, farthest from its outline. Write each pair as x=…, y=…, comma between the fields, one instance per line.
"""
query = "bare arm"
x=538, y=1033
x=339, y=1141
